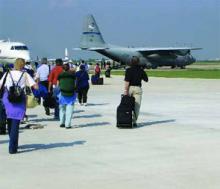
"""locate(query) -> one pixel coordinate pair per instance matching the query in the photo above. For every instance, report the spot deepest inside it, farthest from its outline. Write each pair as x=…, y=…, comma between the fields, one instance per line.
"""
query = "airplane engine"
x=185, y=60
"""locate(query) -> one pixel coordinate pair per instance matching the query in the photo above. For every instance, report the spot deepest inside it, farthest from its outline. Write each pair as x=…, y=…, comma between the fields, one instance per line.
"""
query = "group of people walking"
x=61, y=84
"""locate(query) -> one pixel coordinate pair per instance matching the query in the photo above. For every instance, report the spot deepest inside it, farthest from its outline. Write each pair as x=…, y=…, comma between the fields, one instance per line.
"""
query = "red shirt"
x=54, y=74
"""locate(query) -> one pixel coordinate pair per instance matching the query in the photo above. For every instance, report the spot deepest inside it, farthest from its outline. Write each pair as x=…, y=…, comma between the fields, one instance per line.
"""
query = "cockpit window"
x=19, y=48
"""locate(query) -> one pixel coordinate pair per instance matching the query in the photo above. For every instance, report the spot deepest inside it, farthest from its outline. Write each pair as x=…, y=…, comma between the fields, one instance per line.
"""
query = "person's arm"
x=36, y=86
x=126, y=90
x=49, y=87
x=37, y=75
x=127, y=81
x=50, y=79
x=58, y=81
x=144, y=76
x=30, y=82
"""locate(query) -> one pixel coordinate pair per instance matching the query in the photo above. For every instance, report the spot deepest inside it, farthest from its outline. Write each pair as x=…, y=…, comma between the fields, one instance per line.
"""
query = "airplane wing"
x=92, y=48
x=167, y=50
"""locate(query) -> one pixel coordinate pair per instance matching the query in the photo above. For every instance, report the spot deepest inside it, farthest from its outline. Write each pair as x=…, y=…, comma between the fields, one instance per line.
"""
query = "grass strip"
x=187, y=73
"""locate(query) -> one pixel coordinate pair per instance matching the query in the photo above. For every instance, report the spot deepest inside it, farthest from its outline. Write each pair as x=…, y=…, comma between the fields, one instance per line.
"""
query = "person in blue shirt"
x=82, y=83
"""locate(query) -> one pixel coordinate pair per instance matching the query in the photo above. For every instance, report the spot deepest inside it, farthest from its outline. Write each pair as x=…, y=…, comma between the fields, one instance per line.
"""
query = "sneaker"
x=23, y=122
x=85, y=104
x=62, y=125
x=68, y=127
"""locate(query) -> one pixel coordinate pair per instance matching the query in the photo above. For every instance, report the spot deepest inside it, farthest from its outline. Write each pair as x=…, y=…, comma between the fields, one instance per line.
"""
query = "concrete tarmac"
x=176, y=144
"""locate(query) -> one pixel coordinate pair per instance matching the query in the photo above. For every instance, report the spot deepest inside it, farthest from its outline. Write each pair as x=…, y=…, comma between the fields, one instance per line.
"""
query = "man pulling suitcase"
x=133, y=82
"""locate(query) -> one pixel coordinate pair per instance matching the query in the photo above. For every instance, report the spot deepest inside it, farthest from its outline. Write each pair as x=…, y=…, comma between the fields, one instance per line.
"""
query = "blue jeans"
x=66, y=114
x=13, y=131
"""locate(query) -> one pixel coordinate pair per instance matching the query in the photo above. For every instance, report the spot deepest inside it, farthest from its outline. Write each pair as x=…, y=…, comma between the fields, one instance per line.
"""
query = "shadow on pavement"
x=34, y=147
x=98, y=104
x=4, y=141
x=32, y=116
x=149, y=123
x=92, y=124
x=78, y=111
x=43, y=119
x=88, y=116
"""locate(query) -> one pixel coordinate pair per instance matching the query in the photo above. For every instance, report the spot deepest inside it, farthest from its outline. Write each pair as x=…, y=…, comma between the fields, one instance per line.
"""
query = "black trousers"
x=82, y=95
x=46, y=84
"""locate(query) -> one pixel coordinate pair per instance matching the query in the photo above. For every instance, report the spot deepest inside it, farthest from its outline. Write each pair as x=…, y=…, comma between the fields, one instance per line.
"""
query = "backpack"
x=15, y=93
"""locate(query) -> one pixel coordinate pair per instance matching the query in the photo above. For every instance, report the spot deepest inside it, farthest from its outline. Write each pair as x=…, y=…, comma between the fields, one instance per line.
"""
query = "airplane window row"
x=19, y=48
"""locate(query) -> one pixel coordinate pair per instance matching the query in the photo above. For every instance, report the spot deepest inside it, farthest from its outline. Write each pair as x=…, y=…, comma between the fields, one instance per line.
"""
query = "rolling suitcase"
x=125, y=112
x=100, y=81
x=94, y=79
x=97, y=80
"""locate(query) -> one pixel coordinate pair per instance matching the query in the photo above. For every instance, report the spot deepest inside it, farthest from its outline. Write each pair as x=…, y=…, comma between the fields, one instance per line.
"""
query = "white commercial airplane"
x=9, y=51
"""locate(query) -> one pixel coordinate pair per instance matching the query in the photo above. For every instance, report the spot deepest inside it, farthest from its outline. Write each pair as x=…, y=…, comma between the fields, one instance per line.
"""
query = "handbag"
x=41, y=92
x=32, y=101
x=50, y=101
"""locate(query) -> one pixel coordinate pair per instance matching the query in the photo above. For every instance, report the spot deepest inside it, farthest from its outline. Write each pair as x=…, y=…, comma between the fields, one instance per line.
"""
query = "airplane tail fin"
x=91, y=36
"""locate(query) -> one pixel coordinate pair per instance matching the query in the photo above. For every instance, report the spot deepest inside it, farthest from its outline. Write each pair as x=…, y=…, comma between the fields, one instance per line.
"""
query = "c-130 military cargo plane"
x=92, y=40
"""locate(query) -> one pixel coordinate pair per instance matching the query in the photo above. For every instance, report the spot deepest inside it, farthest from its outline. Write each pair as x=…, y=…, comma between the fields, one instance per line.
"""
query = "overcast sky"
x=48, y=26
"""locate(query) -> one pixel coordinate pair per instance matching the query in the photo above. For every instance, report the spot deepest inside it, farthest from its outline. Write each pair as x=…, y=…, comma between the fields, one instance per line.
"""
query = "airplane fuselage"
x=123, y=55
x=9, y=51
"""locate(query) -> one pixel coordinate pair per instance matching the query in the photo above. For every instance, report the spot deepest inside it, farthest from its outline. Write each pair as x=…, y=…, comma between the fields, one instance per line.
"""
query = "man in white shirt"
x=42, y=77
x=43, y=71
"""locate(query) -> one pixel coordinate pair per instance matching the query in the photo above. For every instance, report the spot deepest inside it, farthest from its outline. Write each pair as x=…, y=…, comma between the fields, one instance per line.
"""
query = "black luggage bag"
x=107, y=73
x=49, y=101
x=125, y=112
x=100, y=81
x=97, y=80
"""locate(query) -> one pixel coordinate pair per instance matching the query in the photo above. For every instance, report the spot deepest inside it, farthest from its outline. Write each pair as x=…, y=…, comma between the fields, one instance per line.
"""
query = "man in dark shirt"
x=133, y=77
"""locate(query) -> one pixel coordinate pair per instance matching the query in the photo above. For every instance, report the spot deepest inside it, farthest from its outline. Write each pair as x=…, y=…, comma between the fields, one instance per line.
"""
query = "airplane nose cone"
x=26, y=56
x=192, y=59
